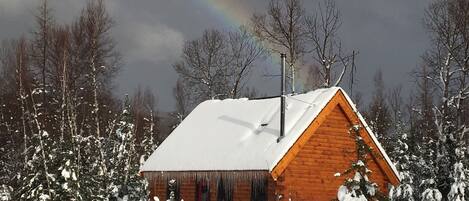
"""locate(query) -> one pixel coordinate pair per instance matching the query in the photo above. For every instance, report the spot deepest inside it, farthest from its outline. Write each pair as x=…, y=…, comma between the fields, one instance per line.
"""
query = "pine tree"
x=360, y=188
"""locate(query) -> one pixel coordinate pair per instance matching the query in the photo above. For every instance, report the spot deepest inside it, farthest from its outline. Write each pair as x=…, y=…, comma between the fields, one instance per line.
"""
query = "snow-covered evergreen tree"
x=5, y=193
x=37, y=181
x=10, y=158
x=148, y=144
x=378, y=115
x=68, y=180
x=54, y=147
x=91, y=174
x=359, y=188
x=125, y=181
x=431, y=193
x=458, y=187
x=402, y=159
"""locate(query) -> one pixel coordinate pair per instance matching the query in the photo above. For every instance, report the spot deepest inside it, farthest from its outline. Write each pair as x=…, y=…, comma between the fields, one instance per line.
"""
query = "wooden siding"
x=347, y=111
x=157, y=188
x=310, y=175
x=241, y=190
x=188, y=189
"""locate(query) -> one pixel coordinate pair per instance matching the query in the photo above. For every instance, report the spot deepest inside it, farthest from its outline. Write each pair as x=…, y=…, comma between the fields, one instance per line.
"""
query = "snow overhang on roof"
x=241, y=134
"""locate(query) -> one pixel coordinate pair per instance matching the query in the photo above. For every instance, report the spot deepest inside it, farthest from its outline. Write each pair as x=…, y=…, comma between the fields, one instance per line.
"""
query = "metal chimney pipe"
x=282, y=100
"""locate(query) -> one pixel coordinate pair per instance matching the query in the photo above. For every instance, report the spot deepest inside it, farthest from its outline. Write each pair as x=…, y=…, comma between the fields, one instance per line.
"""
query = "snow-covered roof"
x=239, y=134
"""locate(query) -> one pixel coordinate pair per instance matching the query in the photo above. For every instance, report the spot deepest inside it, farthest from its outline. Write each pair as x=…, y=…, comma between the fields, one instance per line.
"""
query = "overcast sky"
x=389, y=35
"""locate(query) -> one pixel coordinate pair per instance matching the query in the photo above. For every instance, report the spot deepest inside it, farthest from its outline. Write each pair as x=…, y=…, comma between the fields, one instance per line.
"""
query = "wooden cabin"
x=230, y=150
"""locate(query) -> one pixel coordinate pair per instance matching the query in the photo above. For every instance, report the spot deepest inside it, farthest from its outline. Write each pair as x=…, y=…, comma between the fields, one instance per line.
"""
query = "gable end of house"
x=341, y=100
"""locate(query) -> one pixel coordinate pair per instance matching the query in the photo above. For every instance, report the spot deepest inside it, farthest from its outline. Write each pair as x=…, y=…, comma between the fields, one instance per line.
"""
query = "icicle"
x=211, y=175
x=230, y=178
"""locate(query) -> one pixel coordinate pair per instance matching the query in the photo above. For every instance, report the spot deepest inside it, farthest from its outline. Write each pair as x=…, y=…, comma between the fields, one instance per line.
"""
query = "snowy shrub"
x=344, y=194
x=5, y=193
x=459, y=184
x=359, y=187
x=404, y=191
x=430, y=193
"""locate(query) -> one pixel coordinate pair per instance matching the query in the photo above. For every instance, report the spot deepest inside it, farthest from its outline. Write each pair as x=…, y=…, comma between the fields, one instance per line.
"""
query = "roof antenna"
x=282, y=100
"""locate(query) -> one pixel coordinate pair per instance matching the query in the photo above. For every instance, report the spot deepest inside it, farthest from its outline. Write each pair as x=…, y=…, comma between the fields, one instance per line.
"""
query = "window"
x=172, y=190
x=202, y=190
x=224, y=190
x=259, y=190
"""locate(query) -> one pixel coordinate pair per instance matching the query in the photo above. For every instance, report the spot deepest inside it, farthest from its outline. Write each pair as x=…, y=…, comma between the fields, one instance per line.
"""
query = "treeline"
x=63, y=134
x=424, y=132
x=427, y=134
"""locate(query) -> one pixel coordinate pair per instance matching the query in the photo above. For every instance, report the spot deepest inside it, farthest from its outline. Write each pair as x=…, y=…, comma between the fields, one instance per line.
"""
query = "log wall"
x=329, y=150
x=241, y=189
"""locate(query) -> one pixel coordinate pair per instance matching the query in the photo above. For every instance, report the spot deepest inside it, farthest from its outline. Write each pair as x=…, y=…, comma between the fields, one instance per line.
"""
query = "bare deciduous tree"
x=143, y=109
x=283, y=29
x=22, y=78
x=182, y=100
x=244, y=51
x=396, y=102
x=99, y=56
x=422, y=107
x=59, y=59
x=205, y=64
x=326, y=47
x=447, y=59
x=217, y=65
x=41, y=57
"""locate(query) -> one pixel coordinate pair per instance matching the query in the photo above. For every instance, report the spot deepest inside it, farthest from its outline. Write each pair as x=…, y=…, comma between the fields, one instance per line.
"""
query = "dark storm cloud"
x=389, y=35
x=150, y=34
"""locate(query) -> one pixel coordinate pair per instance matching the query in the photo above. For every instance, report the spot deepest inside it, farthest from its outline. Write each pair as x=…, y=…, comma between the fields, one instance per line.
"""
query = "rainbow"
x=230, y=12
x=234, y=14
